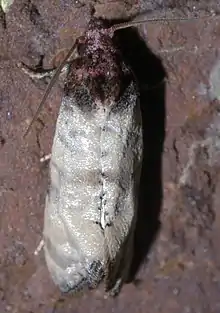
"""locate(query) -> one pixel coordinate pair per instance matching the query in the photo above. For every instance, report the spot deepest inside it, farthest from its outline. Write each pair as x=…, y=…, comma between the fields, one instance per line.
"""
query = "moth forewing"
x=124, y=155
x=96, y=155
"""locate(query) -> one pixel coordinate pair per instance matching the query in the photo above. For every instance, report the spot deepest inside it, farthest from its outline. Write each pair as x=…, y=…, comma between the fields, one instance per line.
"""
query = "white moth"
x=95, y=166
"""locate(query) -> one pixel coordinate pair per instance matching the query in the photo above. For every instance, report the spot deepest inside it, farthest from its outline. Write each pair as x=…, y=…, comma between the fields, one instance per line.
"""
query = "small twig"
x=39, y=247
x=45, y=158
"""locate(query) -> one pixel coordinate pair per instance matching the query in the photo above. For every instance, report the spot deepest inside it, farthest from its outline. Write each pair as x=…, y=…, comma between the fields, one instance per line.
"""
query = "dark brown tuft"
x=99, y=68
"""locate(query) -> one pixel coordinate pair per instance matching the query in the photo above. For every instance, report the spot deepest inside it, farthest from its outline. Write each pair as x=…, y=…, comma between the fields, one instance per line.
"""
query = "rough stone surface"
x=177, y=258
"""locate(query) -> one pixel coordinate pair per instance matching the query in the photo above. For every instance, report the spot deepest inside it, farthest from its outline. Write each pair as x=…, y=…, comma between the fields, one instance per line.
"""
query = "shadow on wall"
x=151, y=75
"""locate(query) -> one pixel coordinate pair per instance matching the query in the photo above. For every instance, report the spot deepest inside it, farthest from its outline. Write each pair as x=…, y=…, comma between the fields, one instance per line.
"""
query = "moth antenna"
x=49, y=87
x=142, y=21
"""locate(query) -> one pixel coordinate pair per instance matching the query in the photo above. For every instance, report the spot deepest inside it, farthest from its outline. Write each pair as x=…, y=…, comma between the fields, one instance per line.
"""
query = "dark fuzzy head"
x=99, y=67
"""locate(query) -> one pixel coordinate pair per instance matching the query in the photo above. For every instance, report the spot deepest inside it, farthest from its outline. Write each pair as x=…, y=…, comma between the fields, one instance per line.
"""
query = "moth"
x=95, y=165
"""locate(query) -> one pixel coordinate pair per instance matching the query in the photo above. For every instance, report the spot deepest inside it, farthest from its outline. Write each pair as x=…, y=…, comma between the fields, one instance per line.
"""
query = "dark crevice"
x=177, y=157
x=31, y=10
x=2, y=141
x=34, y=14
x=42, y=125
x=3, y=18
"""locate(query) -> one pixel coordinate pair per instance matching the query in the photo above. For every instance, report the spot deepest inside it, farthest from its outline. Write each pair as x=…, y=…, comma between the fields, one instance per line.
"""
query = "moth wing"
x=74, y=243
x=119, y=251
x=74, y=258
